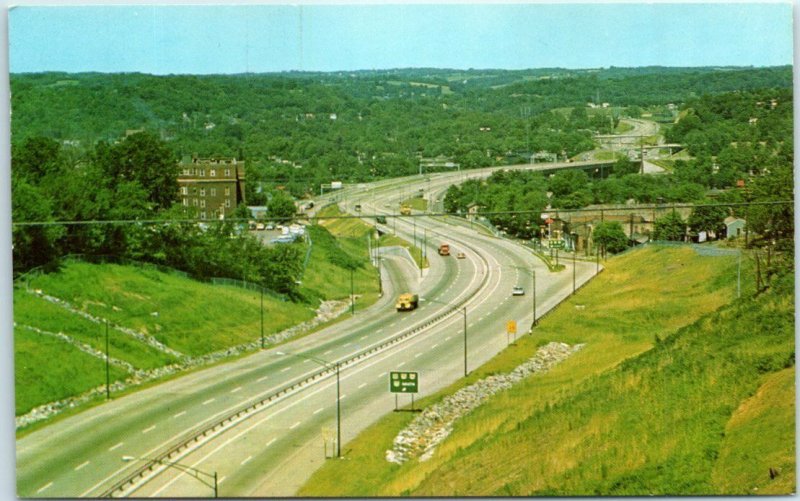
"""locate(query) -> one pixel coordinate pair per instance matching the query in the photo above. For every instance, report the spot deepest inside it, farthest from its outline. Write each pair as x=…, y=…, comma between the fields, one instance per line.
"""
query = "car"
x=461, y=255
x=270, y=226
x=517, y=291
x=260, y=226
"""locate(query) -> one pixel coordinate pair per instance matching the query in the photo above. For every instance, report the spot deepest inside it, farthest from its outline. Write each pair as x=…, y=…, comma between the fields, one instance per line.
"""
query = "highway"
x=271, y=449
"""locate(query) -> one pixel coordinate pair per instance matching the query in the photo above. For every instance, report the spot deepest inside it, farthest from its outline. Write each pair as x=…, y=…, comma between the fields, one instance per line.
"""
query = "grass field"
x=648, y=405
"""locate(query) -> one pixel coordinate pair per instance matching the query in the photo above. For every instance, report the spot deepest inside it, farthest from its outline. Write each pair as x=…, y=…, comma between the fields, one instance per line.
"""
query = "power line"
x=150, y=222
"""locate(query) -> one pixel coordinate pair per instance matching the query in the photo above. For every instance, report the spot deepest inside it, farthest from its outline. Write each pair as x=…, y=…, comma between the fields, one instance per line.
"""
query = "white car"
x=517, y=291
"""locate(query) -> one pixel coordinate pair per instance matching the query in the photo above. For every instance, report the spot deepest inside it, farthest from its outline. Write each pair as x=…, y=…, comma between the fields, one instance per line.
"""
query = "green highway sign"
x=556, y=244
x=403, y=382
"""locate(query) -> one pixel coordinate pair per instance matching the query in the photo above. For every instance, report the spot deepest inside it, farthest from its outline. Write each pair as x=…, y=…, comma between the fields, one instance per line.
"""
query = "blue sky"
x=261, y=38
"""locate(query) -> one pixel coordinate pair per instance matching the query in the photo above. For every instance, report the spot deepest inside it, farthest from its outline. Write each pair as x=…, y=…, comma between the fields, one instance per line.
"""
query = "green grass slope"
x=649, y=406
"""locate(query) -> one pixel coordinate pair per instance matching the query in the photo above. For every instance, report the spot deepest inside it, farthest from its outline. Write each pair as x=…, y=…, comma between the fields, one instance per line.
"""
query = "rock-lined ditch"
x=420, y=438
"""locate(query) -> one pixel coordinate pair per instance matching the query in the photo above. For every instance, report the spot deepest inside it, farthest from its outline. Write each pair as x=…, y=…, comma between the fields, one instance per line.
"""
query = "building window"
x=227, y=173
x=184, y=190
x=227, y=192
x=194, y=190
x=203, y=215
x=202, y=192
x=194, y=202
x=201, y=172
x=186, y=201
x=203, y=204
x=227, y=202
x=213, y=173
x=213, y=192
x=187, y=172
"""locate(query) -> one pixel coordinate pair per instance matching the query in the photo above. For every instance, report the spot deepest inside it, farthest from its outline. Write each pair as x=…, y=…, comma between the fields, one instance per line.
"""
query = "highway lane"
x=151, y=418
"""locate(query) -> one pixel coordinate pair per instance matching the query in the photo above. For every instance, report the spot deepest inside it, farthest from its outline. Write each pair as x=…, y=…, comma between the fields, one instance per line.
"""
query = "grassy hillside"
x=157, y=319
x=669, y=396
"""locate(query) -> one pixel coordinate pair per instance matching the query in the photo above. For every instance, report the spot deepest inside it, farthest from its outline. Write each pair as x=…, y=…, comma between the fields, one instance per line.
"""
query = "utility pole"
x=108, y=372
x=352, y=295
x=262, y=316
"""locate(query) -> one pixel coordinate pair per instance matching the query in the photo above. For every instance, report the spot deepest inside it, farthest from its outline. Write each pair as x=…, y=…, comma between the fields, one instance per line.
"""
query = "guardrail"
x=208, y=431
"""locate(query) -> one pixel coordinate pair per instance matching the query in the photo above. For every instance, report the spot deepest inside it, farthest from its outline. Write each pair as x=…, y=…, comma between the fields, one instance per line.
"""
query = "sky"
x=203, y=39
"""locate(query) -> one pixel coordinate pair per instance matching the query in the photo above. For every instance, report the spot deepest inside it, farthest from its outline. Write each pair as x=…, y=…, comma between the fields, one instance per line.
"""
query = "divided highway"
x=273, y=449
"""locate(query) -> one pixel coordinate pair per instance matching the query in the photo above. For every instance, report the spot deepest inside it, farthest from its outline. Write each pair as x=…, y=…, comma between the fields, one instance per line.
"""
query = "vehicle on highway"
x=517, y=291
x=405, y=210
x=260, y=226
x=407, y=302
x=283, y=239
x=444, y=250
x=381, y=219
x=270, y=226
x=461, y=255
x=358, y=207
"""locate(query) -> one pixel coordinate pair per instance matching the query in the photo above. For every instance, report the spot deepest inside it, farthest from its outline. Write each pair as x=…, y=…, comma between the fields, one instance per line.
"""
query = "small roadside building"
x=734, y=227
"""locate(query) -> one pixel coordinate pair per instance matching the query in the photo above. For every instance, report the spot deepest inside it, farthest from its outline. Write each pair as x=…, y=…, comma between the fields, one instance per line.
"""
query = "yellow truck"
x=405, y=210
x=407, y=302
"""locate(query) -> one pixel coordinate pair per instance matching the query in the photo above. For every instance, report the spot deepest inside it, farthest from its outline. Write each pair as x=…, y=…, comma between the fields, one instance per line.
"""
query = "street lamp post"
x=181, y=467
x=328, y=365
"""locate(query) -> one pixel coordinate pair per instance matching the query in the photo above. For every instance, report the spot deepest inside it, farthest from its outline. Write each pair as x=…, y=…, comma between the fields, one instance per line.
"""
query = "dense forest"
x=104, y=147
x=299, y=130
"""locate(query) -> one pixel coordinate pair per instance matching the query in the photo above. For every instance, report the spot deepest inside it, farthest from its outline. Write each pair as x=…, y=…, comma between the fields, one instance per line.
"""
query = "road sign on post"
x=511, y=327
x=404, y=382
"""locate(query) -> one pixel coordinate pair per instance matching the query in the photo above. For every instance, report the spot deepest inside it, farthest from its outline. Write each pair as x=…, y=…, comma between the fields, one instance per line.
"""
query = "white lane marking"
x=116, y=446
x=81, y=466
x=434, y=346
x=362, y=385
x=447, y=338
x=342, y=397
x=286, y=369
x=221, y=480
x=328, y=352
x=318, y=410
x=148, y=430
x=208, y=401
x=418, y=355
x=295, y=425
x=363, y=337
x=44, y=488
x=472, y=324
x=270, y=442
x=382, y=374
x=236, y=389
x=379, y=331
x=401, y=364
x=179, y=414
x=261, y=379
x=346, y=345
x=244, y=462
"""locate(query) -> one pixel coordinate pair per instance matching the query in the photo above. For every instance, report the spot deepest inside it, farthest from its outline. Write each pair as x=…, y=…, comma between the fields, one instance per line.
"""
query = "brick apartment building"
x=212, y=186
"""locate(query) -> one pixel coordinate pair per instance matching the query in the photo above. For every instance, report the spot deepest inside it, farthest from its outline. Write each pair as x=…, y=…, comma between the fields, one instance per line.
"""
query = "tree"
x=670, y=227
x=610, y=236
x=145, y=159
x=708, y=218
x=281, y=207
